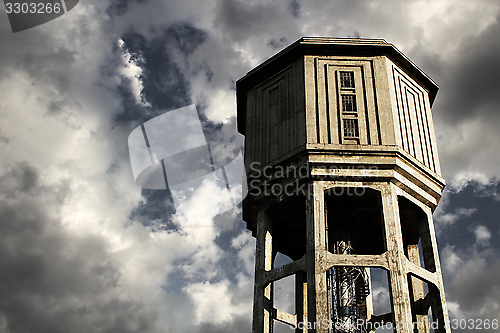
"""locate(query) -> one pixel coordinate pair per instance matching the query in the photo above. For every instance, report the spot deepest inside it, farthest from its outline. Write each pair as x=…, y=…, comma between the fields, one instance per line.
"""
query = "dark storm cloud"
x=470, y=258
x=465, y=111
x=118, y=7
x=469, y=79
x=483, y=201
x=242, y=19
x=472, y=284
x=165, y=84
x=21, y=178
x=240, y=16
x=295, y=8
x=45, y=54
x=156, y=210
x=131, y=114
x=51, y=280
x=52, y=60
x=166, y=87
x=46, y=64
x=476, y=285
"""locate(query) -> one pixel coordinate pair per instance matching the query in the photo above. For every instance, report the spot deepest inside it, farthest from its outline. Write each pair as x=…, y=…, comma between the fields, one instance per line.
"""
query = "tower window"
x=348, y=103
x=347, y=79
x=351, y=128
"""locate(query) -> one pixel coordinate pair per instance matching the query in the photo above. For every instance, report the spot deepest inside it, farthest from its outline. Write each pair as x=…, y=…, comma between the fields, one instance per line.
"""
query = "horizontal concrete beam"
x=351, y=173
x=331, y=260
x=285, y=317
x=284, y=271
x=421, y=273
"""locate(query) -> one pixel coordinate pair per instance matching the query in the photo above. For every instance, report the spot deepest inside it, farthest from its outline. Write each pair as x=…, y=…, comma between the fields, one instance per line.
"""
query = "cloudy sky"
x=83, y=249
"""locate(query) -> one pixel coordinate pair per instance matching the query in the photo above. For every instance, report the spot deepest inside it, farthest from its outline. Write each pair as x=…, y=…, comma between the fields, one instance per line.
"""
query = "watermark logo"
x=278, y=180
x=26, y=14
x=205, y=179
x=363, y=325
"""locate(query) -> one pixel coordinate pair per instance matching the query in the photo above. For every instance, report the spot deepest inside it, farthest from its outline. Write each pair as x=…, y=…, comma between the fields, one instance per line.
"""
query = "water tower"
x=343, y=176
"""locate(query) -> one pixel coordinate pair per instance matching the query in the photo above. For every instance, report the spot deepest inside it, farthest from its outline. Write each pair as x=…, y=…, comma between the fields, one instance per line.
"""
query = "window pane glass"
x=348, y=103
x=347, y=79
x=351, y=128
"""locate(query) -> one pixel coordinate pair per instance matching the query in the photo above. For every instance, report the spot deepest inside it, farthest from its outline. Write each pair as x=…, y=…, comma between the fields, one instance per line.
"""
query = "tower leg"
x=263, y=298
x=401, y=308
x=417, y=292
x=317, y=295
x=301, y=301
x=431, y=260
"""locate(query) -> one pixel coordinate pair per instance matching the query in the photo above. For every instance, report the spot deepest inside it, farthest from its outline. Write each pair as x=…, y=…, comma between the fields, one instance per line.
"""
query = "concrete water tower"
x=343, y=176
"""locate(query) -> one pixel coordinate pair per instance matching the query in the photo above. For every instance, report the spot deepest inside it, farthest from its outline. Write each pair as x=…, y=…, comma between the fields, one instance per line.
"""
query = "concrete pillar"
x=301, y=300
x=437, y=299
x=401, y=308
x=317, y=296
x=417, y=292
x=263, y=293
x=369, y=298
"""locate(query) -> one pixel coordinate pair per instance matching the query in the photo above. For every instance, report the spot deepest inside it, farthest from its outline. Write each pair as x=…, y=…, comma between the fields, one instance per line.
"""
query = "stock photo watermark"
x=207, y=179
x=265, y=180
x=368, y=326
x=26, y=14
x=204, y=178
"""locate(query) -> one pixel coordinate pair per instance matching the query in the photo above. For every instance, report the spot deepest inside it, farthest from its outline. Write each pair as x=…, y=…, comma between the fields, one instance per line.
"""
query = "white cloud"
x=201, y=199
x=469, y=152
x=450, y=260
x=132, y=72
x=213, y=302
x=455, y=311
x=464, y=178
x=450, y=218
x=381, y=299
x=483, y=235
x=245, y=244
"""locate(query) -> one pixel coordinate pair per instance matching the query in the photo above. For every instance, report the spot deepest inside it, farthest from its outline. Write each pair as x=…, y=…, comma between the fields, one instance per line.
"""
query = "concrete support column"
x=263, y=293
x=401, y=308
x=317, y=295
x=301, y=300
x=430, y=252
x=369, y=299
x=417, y=292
